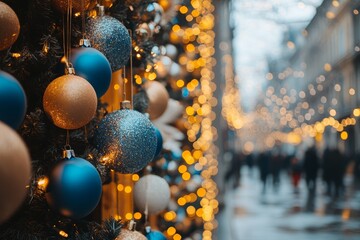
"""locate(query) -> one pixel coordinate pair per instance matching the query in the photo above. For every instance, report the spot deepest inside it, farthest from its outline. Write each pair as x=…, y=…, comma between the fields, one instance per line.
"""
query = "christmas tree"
x=65, y=55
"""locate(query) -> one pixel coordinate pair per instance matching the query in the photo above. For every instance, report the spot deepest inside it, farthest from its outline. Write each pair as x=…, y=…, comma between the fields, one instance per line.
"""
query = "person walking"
x=311, y=168
x=264, y=168
x=234, y=170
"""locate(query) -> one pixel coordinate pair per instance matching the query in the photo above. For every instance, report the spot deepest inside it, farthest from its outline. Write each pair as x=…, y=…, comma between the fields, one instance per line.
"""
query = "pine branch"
x=109, y=230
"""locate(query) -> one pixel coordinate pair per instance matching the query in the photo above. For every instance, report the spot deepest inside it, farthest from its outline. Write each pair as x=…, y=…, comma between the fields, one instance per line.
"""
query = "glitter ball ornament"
x=93, y=66
x=153, y=191
x=110, y=37
x=70, y=101
x=126, y=234
x=158, y=98
x=153, y=234
x=159, y=142
x=9, y=26
x=126, y=140
x=12, y=101
x=62, y=5
x=74, y=188
x=144, y=31
x=152, y=13
x=15, y=171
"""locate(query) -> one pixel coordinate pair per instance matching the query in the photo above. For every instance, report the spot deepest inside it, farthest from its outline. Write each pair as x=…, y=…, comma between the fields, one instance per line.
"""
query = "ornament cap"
x=84, y=42
x=68, y=153
x=147, y=229
x=70, y=70
x=125, y=104
x=132, y=225
x=101, y=10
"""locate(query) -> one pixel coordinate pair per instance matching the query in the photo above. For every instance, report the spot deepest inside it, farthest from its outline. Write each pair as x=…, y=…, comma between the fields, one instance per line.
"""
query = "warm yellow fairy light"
x=183, y=9
x=135, y=177
x=128, y=216
x=120, y=187
x=356, y=112
x=137, y=215
x=344, y=135
x=42, y=183
x=186, y=176
x=171, y=215
x=177, y=237
x=128, y=189
x=171, y=231
x=138, y=79
x=181, y=201
x=182, y=168
x=191, y=211
x=180, y=83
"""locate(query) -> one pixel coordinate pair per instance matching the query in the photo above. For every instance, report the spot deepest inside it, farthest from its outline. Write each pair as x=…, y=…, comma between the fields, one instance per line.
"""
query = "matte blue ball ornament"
x=12, y=101
x=93, y=66
x=74, y=188
x=126, y=141
x=159, y=142
x=110, y=36
x=154, y=234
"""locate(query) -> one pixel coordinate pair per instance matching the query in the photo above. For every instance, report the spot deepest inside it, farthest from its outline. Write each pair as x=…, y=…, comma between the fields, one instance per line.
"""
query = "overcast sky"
x=259, y=26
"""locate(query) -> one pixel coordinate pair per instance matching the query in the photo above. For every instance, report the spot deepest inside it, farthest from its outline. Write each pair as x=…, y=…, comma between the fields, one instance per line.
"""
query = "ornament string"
x=67, y=33
x=83, y=30
x=131, y=72
x=67, y=142
x=86, y=134
x=146, y=210
x=124, y=83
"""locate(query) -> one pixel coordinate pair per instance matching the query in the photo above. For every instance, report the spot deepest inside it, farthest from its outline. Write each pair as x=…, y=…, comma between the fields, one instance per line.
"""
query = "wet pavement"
x=249, y=214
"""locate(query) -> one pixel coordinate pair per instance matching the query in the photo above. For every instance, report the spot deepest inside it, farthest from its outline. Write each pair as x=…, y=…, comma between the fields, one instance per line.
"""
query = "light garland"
x=198, y=40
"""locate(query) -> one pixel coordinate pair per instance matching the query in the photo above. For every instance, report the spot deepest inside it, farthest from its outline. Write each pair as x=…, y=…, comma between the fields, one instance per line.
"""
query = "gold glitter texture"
x=9, y=26
x=70, y=101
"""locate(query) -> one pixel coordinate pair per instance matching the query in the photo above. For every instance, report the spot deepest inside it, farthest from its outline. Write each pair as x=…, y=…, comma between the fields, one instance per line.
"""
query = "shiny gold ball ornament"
x=126, y=234
x=158, y=98
x=15, y=171
x=9, y=26
x=70, y=101
x=62, y=5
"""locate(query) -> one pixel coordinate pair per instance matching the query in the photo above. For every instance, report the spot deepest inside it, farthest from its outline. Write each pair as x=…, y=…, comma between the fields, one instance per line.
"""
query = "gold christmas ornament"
x=15, y=171
x=9, y=26
x=126, y=234
x=62, y=5
x=70, y=101
x=158, y=98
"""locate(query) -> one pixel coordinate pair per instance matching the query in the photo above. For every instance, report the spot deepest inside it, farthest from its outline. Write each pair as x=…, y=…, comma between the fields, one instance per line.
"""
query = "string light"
x=198, y=40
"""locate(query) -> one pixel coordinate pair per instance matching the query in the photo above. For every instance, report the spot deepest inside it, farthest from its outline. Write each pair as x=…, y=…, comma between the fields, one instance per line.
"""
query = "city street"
x=250, y=215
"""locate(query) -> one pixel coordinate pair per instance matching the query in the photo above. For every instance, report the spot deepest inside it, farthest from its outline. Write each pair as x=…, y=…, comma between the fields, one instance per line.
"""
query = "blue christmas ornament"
x=110, y=36
x=154, y=235
x=159, y=142
x=12, y=101
x=126, y=141
x=74, y=188
x=92, y=65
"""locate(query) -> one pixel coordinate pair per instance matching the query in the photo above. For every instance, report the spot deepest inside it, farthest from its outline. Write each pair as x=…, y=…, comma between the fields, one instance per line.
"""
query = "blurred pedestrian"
x=357, y=169
x=264, y=168
x=275, y=167
x=338, y=167
x=234, y=171
x=296, y=170
x=249, y=160
x=327, y=169
x=311, y=168
x=333, y=171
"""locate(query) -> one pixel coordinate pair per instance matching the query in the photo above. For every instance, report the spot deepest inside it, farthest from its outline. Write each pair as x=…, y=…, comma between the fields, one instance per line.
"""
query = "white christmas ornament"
x=151, y=194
